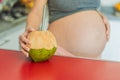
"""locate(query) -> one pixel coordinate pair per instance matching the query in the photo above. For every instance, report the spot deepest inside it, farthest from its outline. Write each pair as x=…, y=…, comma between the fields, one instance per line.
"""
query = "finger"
x=25, y=34
x=24, y=46
x=24, y=52
x=24, y=39
x=106, y=21
x=107, y=24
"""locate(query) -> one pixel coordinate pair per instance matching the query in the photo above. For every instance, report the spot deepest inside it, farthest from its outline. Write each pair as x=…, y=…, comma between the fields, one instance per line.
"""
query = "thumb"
x=30, y=29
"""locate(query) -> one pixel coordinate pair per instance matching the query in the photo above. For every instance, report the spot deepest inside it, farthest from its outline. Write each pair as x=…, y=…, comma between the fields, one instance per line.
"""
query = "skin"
x=80, y=34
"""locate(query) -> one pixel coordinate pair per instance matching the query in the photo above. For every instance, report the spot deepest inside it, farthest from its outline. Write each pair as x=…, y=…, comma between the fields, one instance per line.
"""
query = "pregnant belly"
x=82, y=33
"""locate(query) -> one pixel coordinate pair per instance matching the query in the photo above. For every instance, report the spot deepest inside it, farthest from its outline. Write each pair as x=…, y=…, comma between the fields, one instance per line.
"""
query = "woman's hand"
x=62, y=52
x=23, y=40
x=107, y=25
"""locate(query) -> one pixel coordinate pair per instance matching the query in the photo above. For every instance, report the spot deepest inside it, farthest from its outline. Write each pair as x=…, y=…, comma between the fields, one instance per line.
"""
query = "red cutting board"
x=15, y=66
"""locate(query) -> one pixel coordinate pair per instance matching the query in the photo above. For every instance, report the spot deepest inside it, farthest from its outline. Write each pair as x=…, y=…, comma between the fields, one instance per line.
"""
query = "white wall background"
x=109, y=2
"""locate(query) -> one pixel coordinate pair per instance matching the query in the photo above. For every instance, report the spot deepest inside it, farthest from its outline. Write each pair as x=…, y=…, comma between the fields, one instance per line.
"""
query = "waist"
x=79, y=18
x=55, y=15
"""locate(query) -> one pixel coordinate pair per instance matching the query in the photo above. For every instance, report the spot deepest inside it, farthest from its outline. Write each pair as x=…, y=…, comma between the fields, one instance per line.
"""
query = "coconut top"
x=42, y=39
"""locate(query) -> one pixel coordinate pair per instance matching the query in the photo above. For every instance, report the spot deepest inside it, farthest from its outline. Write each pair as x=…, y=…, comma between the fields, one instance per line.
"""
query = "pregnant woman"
x=79, y=28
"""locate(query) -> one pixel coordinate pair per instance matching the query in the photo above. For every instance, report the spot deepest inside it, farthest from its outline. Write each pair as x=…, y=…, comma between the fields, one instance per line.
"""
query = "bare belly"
x=82, y=33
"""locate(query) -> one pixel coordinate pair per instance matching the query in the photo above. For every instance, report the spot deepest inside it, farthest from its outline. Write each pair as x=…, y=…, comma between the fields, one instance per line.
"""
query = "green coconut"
x=42, y=45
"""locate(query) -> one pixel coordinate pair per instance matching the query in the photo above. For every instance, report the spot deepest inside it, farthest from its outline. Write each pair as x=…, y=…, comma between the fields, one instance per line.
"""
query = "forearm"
x=34, y=18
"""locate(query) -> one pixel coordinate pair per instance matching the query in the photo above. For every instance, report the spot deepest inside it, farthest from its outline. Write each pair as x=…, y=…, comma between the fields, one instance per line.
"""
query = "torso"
x=81, y=33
